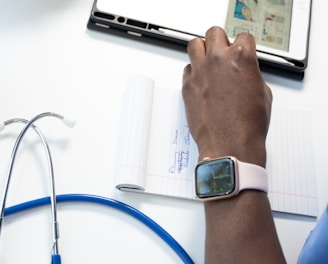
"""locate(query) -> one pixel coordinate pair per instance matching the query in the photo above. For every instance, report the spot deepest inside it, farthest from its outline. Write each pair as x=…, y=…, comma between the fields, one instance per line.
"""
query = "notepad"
x=157, y=154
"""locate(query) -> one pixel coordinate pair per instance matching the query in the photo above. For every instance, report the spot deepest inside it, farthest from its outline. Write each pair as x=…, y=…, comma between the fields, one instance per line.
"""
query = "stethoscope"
x=53, y=199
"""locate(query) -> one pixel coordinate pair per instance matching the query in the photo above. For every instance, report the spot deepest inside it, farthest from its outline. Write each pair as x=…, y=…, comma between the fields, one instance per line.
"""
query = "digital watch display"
x=226, y=177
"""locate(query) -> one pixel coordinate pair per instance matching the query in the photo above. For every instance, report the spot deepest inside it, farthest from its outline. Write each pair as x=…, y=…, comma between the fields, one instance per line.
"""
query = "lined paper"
x=290, y=162
x=135, y=133
x=172, y=153
x=158, y=155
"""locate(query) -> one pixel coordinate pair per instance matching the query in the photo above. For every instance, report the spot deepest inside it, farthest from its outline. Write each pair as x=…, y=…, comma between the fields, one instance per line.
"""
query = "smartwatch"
x=226, y=177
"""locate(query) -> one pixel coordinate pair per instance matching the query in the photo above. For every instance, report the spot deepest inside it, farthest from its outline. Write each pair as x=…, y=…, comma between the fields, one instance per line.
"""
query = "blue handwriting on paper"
x=180, y=147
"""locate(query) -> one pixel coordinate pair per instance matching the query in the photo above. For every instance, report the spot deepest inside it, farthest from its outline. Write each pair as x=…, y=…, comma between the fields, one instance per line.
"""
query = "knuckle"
x=193, y=44
x=243, y=53
x=215, y=59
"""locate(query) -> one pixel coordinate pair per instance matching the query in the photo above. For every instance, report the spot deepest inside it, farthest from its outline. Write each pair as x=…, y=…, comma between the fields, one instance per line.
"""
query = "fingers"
x=186, y=74
x=246, y=41
x=216, y=39
x=196, y=50
x=269, y=93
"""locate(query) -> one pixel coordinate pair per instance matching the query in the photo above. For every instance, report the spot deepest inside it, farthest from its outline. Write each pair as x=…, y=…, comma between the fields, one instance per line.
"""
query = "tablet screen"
x=269, y=21
x=280, y=27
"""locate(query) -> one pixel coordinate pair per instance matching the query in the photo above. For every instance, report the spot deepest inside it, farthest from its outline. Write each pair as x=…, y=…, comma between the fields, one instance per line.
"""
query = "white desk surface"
x=50, y=61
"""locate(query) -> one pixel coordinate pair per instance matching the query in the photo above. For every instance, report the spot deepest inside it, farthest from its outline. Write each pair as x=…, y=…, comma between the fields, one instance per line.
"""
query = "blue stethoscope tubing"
x=89, y=198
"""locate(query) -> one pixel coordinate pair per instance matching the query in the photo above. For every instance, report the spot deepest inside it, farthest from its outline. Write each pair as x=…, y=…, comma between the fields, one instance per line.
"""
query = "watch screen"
x=215, y=178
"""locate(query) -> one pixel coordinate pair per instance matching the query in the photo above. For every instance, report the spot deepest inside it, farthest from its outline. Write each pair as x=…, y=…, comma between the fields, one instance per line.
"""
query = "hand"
x=227, y=102
x=228, y=108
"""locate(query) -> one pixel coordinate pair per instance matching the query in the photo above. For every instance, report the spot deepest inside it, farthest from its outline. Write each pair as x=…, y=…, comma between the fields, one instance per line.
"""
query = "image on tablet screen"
x=269, y=21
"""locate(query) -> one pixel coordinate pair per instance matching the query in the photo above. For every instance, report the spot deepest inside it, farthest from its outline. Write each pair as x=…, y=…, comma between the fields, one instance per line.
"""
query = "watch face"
x=215, y=178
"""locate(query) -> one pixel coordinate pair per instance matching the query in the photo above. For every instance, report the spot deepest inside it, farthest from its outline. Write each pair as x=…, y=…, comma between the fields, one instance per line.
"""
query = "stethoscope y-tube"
x=53, y=199
x=28, y=124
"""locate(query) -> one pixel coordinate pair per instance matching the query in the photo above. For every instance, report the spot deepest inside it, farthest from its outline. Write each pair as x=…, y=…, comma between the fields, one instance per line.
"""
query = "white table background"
x=50, y=61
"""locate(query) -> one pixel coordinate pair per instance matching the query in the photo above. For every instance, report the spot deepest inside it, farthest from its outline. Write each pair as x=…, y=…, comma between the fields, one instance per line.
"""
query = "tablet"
x=280, y=27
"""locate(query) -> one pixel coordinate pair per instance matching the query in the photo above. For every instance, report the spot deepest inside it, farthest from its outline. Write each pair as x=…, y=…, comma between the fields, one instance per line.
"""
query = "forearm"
x=241, y=230
x=228, y=109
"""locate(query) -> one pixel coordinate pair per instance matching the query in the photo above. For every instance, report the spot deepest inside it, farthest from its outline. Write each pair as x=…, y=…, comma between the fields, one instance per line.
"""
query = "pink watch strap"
x=252, y=176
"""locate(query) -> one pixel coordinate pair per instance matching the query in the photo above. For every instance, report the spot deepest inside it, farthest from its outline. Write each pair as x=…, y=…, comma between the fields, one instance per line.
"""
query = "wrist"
x=251, y=153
